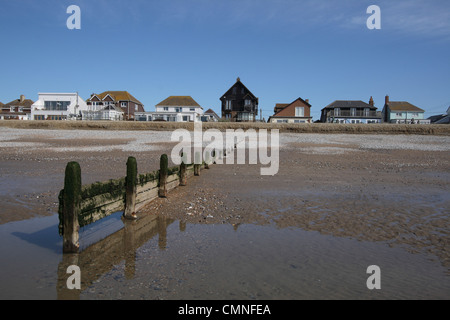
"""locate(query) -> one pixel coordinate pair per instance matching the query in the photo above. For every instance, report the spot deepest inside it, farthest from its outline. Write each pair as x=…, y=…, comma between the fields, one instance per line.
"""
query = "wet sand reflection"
x=99, y=258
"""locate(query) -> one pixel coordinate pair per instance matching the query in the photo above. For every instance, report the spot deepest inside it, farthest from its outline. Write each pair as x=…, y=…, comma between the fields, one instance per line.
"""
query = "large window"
x=56, y=105
x=299, y=111
x=245, y=116
x=228, y=105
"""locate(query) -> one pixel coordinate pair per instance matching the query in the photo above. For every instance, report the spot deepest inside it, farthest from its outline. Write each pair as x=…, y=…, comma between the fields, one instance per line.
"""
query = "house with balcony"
x=58, y=106
x=239, y=104
x=112, y=105
x=403, y=112
x=298, y=111
x=18, y=109
x=350, y=111
x=174, y=109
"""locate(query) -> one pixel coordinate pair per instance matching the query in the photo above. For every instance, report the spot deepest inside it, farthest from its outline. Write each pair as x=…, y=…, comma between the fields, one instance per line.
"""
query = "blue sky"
x=314, y=49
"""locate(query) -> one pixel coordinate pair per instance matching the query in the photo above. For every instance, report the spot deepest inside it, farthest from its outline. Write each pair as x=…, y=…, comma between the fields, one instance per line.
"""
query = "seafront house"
x=210, y=116
x=298, y=111
x=58, y=106
x=112, y=105
x=403, y=112
x=174, y=109
x=239, y=104
x=350, y=111
x=18, y=109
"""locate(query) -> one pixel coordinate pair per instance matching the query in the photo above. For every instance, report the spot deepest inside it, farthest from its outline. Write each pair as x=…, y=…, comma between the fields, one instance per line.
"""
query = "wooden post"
x=197, y=164
x=183, y=176
x=72, y=199
x=130, y=185
x=163, y=173
x=214, y=156
x=207, y=159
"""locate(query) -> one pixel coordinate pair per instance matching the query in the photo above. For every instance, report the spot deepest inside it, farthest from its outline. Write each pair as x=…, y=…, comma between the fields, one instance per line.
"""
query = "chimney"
x=371, y=101
x=386, y=100
x=307, y=101
x=22, y=98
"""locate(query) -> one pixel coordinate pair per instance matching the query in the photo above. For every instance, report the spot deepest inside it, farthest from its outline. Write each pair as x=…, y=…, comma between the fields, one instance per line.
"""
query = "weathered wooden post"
x=71, y=208
x=183, y=174
x=214, y=156
x=197, y=164
x=163, y=173
x=207, y=159
x=130, y=185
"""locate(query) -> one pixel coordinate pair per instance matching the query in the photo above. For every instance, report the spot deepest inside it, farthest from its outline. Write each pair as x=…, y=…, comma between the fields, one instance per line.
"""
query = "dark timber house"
x=239, y=104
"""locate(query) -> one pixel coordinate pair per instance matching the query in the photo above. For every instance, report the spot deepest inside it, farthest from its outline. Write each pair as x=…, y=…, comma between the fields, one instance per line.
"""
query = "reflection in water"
x=101, y=257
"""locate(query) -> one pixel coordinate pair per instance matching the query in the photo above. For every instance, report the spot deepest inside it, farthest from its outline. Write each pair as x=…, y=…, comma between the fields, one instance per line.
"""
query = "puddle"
x=158, y=258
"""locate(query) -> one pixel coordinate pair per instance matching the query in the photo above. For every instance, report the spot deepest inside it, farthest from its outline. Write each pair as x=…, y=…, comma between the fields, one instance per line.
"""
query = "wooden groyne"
x=81, y=205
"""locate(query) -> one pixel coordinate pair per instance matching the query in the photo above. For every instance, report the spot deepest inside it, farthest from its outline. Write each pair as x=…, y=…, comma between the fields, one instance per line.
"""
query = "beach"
x=390, y=190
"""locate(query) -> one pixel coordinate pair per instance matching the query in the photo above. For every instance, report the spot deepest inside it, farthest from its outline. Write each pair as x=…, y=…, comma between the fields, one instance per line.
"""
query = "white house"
x=58, y=106
x=174, y=109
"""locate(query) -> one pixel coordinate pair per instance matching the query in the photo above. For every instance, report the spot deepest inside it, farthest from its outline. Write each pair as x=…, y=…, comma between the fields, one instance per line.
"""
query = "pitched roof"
x=280, y=106
x=349, y=104
x=211, y=111
x=403, y=106
x=118, y=96
x=178, y=101
x=238, y=80
x=278, y=113
x=17, y=103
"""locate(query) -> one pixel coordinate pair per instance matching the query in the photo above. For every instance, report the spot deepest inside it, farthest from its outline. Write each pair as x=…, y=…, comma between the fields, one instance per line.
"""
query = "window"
x=185, y=118
x=166, y=108
x=366, y=112
x=299, y=121
x=192, y=109
x=352, y=112
x=135, y=107
x=337, y=111
x=282, y=121
x=123, y=104
x=248, y=102
x=177, y=109
x=234, y=90
x=399, y=114
x=228, y=105
x=56, y=105
x=299, y=111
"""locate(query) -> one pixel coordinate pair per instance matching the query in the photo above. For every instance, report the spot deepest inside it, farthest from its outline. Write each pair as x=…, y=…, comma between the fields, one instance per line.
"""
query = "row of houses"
x=238, y=104
x=109, y=105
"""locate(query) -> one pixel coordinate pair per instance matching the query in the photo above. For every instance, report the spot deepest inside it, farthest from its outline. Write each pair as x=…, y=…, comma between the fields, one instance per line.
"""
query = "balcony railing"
x=355, y=113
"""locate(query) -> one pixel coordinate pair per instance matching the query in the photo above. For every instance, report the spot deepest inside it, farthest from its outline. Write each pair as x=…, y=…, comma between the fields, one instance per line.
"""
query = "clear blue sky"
x=314, y=49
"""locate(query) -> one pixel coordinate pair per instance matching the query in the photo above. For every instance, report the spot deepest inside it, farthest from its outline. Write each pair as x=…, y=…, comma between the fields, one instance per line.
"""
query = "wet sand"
x=391, y=191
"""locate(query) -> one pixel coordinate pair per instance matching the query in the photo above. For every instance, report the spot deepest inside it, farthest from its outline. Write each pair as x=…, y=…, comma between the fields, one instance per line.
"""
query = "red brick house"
x=119, y=99
x=298, y=111
x=18, y=109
